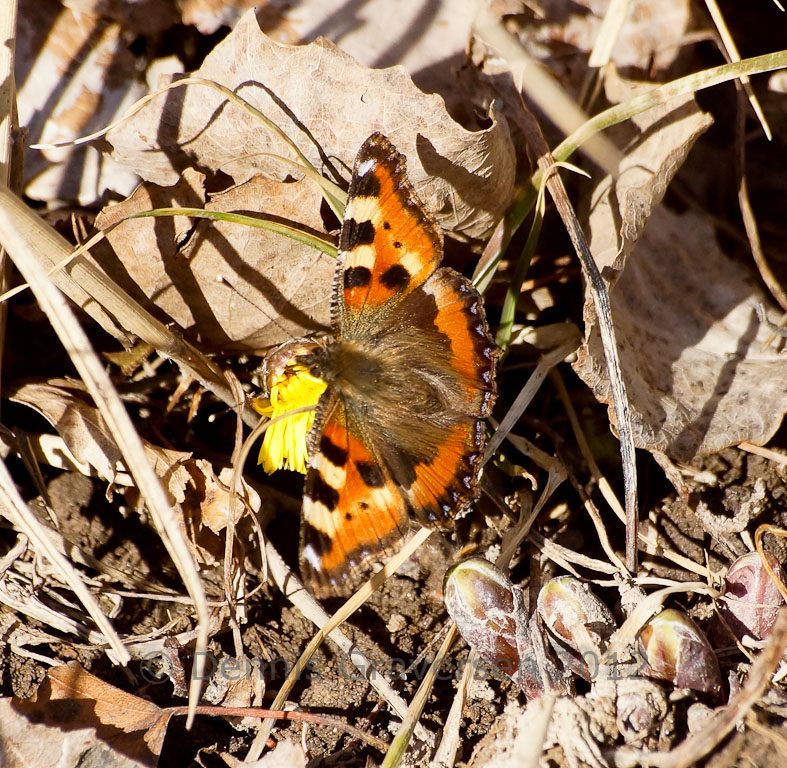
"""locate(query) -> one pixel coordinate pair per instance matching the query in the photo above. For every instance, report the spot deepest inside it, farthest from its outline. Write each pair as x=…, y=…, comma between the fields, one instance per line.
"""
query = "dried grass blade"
x=23, y=250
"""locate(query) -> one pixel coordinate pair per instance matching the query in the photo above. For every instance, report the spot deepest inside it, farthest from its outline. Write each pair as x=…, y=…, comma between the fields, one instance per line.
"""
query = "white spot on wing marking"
x=361, y=256
x=366, y=166
x=331, y=474
x=311, y=557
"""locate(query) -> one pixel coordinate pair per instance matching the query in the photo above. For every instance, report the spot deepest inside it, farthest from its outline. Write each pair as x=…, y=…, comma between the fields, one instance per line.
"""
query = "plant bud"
x=673, y=648
x=579, y=624
x=490, y=614
x=755, y=597
x=641, y=707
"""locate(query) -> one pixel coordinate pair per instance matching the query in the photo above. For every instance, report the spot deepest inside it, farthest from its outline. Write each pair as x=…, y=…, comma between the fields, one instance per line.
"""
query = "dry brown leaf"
x=234, y=287
x=650, y=39
x=172, y=467
x=87, y=438
x=328, y=104
x=78, y=423
x=76, y=719
x=428, y=39
x=206, y=509
x=74, y=75
x=216, y=504
x=690, y=342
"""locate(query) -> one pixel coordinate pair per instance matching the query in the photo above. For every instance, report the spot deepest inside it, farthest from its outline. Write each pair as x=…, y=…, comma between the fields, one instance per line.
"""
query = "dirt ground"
x=705, y=379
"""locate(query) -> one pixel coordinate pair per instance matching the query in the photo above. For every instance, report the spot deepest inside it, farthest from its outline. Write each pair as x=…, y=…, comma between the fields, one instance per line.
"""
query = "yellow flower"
x=290, y=386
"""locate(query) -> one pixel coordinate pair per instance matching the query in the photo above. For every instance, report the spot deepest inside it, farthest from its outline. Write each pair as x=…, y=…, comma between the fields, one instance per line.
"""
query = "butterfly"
x=410, y=371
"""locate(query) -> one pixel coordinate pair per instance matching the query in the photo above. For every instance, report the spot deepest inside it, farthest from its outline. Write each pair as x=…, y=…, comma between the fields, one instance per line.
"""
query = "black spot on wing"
x=319, y=491
x=367, y=185
x=334, y=453
x=397, y=244
x=396, y=276
x=316, y=539
x=357, y=277
x=355, y=233
x=386, y=225
x=370, y=473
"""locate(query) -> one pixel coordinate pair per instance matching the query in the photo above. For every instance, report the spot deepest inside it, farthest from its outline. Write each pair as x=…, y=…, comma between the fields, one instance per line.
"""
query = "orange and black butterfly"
x=399, y=432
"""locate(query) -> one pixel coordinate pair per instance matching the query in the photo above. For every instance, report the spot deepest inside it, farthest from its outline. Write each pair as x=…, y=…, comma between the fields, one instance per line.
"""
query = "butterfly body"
x=398, y=432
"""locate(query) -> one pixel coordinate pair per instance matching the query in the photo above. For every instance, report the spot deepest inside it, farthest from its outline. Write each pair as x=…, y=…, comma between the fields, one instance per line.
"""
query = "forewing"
x=389, y=245
x=353, y=513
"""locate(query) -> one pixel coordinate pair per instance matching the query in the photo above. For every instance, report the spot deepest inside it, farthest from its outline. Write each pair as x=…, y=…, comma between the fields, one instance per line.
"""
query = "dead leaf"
x=74, y=74
x=79, y=424
x=466, y=178
x=690, y=342
x=171, y=466
x=87, y=438
x=206, y=509
x=428, y=39
x=216, y=505
x=234, y=287
x=77, y=719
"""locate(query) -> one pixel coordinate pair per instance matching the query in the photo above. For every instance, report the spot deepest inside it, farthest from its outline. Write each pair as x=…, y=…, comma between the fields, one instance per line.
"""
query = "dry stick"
x=445, y=754
x=600, y=296
x=767, y=453
x=608, y=35
x=699, y=744
x=564, y=556
x=728, y=43
x=231, y=568
x=774, y=530
x=749, y=222
x=284, y=714
x=8, y=14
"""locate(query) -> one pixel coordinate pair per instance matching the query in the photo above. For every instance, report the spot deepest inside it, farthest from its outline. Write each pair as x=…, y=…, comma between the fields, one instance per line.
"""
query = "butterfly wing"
x=353, y=513
x=439, y=343
x=388, y=244
x=410, y=377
